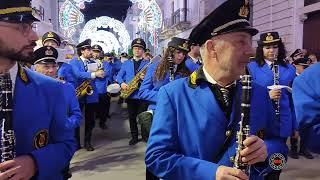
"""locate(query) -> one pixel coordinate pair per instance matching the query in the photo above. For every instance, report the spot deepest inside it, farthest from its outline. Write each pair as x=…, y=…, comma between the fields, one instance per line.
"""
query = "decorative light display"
x=150, y=19
x=69, y=17
x=106, y=39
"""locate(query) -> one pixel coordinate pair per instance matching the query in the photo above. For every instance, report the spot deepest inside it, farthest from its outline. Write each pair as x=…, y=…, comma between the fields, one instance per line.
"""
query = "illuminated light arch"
x=91, y=31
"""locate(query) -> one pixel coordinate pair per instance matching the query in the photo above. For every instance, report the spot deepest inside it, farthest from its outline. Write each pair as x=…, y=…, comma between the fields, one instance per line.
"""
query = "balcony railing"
x=179, y=20
x=181, y=15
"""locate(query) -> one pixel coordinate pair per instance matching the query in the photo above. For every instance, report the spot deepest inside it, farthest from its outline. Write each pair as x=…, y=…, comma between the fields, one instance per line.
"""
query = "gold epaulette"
x=22, y=74
x=15, y=10
x=192, y=80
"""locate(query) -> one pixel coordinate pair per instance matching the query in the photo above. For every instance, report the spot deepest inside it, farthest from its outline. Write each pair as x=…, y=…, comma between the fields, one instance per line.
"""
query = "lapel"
x=142, y=64
x=209, y=103
x=24, y=91
x=266, y=69
x=236, y=103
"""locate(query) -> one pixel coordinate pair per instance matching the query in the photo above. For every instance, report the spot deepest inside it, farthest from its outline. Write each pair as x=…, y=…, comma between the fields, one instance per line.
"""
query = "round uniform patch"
x=41, y=139
x=277, y=161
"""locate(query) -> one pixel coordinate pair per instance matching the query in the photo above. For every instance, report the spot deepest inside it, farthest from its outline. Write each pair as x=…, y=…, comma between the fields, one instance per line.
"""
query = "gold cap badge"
x=48, y=52
x=185, y=45
x=244, y=10
x=269, y=37
x=50, y=35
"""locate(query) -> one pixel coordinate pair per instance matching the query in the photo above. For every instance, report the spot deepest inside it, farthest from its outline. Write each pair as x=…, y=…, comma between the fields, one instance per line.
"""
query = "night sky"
x=112, y=8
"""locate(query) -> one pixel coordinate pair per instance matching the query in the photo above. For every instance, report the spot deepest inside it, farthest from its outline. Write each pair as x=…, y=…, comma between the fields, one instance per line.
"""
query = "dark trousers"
x=294, y=144
x=90, y=109
x=150, y=176
x=103, y=108
x=275, y=175
x=135, y=106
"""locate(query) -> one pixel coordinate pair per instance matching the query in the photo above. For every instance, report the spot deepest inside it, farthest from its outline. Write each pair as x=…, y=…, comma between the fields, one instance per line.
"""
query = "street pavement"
x=114, y=159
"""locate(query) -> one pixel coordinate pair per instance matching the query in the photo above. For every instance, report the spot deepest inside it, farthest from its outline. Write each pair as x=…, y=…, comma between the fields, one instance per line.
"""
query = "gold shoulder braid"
x=193, y=80
x=22, y=74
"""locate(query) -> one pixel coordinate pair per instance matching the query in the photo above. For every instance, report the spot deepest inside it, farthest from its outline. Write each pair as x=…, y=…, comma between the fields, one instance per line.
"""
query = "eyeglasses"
x=24, y=28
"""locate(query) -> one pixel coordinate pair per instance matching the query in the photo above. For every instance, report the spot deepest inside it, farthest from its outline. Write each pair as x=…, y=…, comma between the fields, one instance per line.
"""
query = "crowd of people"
x=189, y=100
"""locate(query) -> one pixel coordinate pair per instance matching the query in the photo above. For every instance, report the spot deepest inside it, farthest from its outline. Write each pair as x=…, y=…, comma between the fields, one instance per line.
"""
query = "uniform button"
x=228, y=133
x=232, y=159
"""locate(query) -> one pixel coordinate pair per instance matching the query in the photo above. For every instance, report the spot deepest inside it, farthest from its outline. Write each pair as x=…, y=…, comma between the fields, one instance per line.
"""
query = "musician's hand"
x=255, y=151
x=226, y=173
x=100, y=73
x=22, y=167
x=142, y=76
x=275, y=94
x=124, y=86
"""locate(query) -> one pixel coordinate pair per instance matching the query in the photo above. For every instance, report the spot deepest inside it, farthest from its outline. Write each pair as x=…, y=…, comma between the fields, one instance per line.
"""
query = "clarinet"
x=244, y=130
x=8, y=141
x=276, y=77
x=171, y=68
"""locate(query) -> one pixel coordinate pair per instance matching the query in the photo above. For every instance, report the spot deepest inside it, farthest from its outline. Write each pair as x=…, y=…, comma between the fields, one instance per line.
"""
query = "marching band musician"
x=271, y=51
x=300, y=65
x=193, y=131
x=44, y=145
x=45, y=63
x=193, y=61
x=305, y=94
x=128, y=71
x=80, y=69
x=158, y=73
x=101, y=83
x=65, y=72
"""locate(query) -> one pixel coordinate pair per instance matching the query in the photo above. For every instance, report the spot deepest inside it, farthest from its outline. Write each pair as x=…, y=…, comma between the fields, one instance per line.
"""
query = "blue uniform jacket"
x=102, y=83
x=149, y=88
x=81, y=75
x=73, y=110
x=264, y=77
x=65, y=72
x=189, y=129
x=306, y=95
x=126, y=74
x=116, y=66
x=191, y=65
x=39, y=118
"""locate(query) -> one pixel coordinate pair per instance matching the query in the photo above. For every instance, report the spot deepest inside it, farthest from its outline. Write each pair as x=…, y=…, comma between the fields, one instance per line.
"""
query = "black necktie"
x=271, y=66
x=85, y=65
x=225, y=96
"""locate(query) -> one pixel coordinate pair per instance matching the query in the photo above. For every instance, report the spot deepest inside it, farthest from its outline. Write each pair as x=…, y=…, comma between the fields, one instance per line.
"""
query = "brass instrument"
x=134, y=83
x=84, y=89
x=244, y=130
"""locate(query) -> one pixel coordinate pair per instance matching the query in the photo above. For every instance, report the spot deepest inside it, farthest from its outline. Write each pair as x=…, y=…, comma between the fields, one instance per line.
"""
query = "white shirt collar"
x=195, y=60
x=212, y=81
x=13, y=75
x=268, y=62
x=83, y=59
